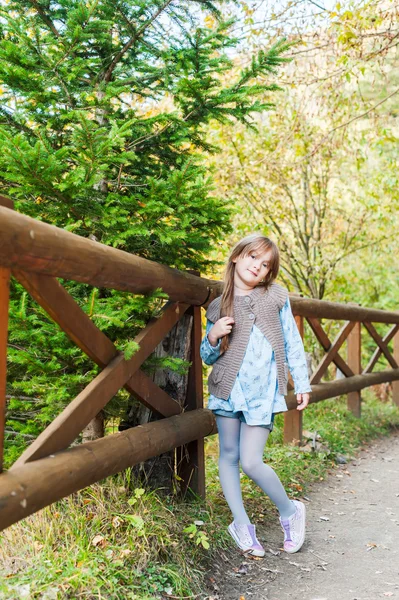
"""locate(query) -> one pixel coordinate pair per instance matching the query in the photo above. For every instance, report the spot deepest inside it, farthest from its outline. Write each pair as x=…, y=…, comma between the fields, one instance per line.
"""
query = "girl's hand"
x=303, y=401
x=220, y=329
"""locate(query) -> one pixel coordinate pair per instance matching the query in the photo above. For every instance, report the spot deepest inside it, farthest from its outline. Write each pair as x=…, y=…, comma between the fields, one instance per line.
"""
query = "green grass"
x=117, y=541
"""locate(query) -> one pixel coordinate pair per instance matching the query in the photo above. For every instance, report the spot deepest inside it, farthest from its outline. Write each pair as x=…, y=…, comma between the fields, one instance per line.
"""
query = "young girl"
x=252, y=338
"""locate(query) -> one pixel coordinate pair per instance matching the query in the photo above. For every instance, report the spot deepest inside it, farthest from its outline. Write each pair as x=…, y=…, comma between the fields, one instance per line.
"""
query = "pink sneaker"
x=294, y=528
x=245, y=538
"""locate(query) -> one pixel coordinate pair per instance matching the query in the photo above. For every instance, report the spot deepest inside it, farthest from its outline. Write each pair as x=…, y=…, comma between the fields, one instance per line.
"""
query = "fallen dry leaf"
x=371, y=545
x=117, y=522
x=37, y=545
x=98, y=540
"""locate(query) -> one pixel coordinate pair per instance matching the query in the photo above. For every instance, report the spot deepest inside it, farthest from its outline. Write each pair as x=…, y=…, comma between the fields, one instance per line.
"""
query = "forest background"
x=169, y=130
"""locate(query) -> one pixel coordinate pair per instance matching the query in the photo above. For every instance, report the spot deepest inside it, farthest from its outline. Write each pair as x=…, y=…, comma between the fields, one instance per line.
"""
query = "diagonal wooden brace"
x=324, y=340
x=119, y=372
x=377, y=352
x=4, y=300
x=63, y=309
x=381, y=343
x=332, y=352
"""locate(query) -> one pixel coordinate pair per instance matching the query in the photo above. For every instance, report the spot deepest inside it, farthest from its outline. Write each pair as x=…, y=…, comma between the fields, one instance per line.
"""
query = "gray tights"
x=239, y=442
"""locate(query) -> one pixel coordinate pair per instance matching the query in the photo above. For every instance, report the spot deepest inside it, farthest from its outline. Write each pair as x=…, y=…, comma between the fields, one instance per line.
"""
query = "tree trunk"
x=95, y=429
x=159, y=472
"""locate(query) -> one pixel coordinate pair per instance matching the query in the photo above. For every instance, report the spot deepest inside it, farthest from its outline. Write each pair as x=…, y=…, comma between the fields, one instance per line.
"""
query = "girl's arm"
x=294, y=351
x=209, y=353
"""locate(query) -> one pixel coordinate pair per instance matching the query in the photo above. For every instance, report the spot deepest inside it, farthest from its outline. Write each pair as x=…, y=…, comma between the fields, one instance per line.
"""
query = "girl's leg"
x=252, y=443
x=229, y=471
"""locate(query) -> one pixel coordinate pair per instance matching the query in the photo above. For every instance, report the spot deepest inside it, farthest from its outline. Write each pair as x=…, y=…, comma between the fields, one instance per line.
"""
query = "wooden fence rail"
x=36, y=253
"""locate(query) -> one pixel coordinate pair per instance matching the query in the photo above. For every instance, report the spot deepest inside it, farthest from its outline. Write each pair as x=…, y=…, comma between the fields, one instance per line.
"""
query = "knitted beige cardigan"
x=262, y=307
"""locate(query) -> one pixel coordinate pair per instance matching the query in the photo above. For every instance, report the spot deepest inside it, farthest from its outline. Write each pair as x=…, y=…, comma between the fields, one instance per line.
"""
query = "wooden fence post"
x=190, y=459
x=354, y=362
x=293, y=418
x=4, y=300
x=395, y=384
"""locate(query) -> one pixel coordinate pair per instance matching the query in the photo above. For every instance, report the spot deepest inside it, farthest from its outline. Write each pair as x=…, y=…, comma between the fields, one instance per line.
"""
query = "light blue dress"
x=255, y=391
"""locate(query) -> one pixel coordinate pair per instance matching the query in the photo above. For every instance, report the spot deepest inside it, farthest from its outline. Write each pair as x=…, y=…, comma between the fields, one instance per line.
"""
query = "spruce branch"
x=45, y=18
x=133, y=39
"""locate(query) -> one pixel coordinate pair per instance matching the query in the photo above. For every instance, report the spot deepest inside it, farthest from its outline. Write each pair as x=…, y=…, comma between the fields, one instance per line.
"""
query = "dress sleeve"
x=294, y=350
x=209, y=353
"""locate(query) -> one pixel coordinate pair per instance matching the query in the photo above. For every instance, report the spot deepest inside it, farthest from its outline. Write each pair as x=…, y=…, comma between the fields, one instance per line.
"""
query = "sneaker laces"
x=244, y=534
x=287, y=531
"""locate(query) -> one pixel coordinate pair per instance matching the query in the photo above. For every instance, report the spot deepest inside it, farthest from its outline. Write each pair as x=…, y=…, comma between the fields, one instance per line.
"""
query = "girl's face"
x=252, y=269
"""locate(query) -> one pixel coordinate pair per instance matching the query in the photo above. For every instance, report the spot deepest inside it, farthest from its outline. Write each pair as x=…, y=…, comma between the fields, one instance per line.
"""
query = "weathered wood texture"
x=293, y=418
x=4, y=299
x=7, y=202
x=159, y=472
x=324, y=341
x=67, y=426
x=28, y=488
x=332, y=352
x=321, y=309
x=339, y=387
x=34, y=246
x=354, y=362
x=63, y=309
x=30, y=245
x=395, y=384
x=377, y=353
x=383, y=346
x=191, y=458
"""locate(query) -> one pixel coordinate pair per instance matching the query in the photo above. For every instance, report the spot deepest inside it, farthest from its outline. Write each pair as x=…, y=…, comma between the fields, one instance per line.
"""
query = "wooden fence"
x=36, y=254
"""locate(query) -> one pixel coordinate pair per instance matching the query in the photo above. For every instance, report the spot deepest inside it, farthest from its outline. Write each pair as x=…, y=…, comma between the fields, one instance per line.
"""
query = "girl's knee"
x=250, y=465
x=229, y=453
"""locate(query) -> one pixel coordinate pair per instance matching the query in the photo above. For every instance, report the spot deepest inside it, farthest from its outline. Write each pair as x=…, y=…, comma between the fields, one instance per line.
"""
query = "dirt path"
x=351, y=551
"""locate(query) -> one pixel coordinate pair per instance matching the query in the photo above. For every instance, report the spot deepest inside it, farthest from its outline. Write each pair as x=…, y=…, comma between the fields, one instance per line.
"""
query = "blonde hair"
x=250, y=243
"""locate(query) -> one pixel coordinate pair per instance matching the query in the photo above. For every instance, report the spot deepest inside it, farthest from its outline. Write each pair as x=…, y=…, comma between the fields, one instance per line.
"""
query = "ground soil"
x=352, y=540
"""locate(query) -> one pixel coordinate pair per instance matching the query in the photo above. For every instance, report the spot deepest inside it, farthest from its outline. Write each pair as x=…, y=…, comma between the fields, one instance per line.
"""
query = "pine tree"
x=103, y=132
